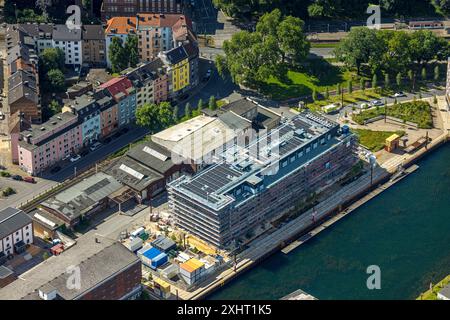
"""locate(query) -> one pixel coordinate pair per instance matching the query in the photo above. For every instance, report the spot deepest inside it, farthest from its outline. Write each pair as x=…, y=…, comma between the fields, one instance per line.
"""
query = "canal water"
x=405, y=231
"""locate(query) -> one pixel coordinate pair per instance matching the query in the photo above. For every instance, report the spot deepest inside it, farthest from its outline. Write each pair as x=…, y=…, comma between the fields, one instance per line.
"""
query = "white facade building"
x=70, y=42
x=16, y=230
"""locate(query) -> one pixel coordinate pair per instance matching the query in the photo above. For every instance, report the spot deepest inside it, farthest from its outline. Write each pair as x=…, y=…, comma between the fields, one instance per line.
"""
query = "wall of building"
x=24, y=233
x=73, y=51
x=109, y=120
x=236, y=219
x=119, y=286
x=35, y=159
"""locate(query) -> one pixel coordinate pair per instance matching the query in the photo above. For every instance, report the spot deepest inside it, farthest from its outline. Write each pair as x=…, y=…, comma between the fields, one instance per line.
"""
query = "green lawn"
x=317, y=75
x=418, y=112
x=374, y=140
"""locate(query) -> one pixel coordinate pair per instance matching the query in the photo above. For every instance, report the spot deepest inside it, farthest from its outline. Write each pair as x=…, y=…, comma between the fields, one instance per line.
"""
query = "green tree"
x=327, y=93
x=200, y=105
x=314, y=95
x=374, y=81
x=424, y=46
x=387, y=80
x=51, y=58
x=398, y=79
x=153, y=116
x=338, y=89
x=424, y=74
x=56, y=81
x=117, y=55
x=212, y=103
x=131, y=50
x=176, y=114
x=292, y=41
x=187, y=110
x=359, y=47
x=362, y=84
x=350, y=86
x=54, y=107
x=436, y=73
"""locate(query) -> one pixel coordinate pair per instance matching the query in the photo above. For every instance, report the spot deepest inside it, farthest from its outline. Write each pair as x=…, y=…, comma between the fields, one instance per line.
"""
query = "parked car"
x=16, y=177
x=84, y=153
x=107, y=140
x=376, y=103
x=124, y=130
x=399, y=94
x=75, y=158
x=95, y=146
x=364, y=106
x=29, y=179
x=117, y=135
x=55, y=169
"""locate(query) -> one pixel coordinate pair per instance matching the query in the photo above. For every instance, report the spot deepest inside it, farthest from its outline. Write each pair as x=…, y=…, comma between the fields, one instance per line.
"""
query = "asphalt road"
x=27, y=191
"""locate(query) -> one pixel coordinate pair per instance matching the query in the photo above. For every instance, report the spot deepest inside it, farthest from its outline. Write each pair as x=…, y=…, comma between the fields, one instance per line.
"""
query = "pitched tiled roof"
x=123, y=25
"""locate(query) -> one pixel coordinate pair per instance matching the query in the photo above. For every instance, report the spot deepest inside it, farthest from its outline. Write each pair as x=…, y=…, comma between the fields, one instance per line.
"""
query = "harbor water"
x=405, y=231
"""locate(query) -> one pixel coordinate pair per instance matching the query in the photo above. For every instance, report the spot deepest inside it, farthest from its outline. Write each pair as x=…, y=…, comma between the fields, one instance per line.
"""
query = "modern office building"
x=254, y=183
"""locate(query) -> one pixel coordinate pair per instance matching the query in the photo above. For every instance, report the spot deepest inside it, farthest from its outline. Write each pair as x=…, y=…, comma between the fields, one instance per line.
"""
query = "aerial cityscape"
x=224, y=150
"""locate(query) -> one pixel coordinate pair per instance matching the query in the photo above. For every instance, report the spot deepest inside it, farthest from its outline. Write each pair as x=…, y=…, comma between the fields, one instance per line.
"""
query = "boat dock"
x=396, y=178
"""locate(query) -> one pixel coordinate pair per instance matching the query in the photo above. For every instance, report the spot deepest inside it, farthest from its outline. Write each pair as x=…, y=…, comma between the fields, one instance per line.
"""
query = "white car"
x=75, y=158
x=364, y=106
x=399, y=94
x=67, y=156
x=95, y=146
x=376, y=103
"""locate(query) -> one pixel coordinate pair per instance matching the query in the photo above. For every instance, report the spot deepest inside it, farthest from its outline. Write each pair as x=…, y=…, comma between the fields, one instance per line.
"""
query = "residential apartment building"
x=124, y=94
x=117, y=8
x=16, y=232
x=255, y=183
x=70, y=42
x=40, y=146
x=88, y=112
x=109, y=113
x=109, y=271
x=94, y=45
x=151, y=82
x=23, y=95
x=155, y=32
x=177, y=61
x=23, y=75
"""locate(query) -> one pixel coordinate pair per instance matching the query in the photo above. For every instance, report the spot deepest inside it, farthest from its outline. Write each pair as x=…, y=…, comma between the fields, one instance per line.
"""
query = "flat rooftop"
x=54, y=125
x=267, y=159
x=97, y=262
x=83, y=196
x=184, y=129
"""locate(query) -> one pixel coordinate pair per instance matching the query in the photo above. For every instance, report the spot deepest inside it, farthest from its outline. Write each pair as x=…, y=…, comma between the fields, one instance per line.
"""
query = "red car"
x=29, y=179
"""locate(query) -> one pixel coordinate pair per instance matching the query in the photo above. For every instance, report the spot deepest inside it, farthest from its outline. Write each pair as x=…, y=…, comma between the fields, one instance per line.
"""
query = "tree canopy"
x=155, y=116
x=123, y=55
x=390, y=51
x=277, y=44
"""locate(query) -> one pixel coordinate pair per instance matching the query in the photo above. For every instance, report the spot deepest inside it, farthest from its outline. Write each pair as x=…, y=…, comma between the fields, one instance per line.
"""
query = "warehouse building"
x=256, y=183
x=108, y=270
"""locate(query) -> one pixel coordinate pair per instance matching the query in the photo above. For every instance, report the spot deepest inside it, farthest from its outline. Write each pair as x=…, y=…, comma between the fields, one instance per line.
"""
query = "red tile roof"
x=117, y=85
